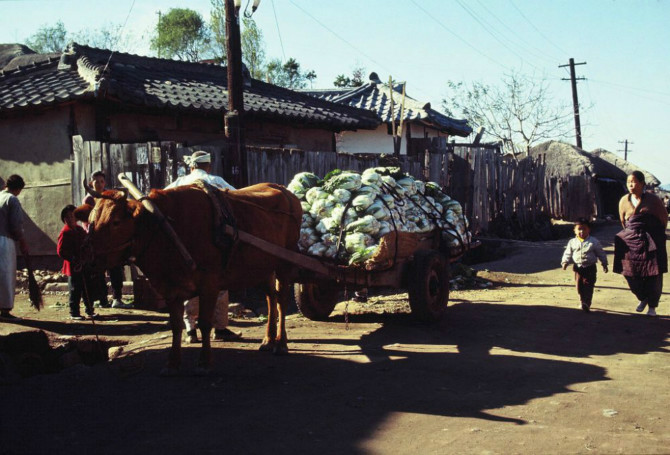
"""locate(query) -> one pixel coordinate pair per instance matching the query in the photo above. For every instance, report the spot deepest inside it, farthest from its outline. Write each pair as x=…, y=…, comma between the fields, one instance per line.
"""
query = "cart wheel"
x=316, y=301
x=428, y=285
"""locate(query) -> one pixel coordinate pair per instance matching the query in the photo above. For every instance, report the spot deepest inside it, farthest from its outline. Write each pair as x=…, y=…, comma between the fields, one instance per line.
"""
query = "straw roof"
x=564, y=160
x=625, y=166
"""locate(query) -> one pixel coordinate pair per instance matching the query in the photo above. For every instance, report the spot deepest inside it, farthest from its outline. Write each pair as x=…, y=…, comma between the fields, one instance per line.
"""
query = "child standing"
x=70, y=240
x=583, y=252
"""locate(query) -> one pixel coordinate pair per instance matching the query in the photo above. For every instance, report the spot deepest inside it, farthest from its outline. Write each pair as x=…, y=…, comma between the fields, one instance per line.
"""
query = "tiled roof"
x=82, y=72
x=375, y=96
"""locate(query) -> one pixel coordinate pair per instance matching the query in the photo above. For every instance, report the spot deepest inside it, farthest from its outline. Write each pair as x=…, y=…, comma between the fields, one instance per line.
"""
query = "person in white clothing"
x=11, y=233
x=200, y=164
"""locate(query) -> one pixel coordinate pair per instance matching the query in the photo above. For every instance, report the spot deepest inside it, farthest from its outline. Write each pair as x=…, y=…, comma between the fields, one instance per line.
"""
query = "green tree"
x=520, y=112
x=48, y=39
x=356, y=79
x=288, y=74
x=217, y=25
x=253, y=48
x=182, y=33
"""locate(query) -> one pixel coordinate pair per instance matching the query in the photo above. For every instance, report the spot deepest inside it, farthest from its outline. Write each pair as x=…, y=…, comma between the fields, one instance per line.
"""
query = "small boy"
x=584, y=251
x=70, y=240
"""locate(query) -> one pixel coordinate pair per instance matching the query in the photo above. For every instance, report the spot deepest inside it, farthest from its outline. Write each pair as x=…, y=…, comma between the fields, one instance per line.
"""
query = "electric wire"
x=339, y=37
x=488, y=29
x=534, y=51
x=119, y=36
x=461, y=39
x=281, y=43
x=536, y=29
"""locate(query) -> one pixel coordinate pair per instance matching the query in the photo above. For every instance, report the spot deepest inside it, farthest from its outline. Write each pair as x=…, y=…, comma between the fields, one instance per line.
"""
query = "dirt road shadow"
x=254, y=402
x=316, y=401
x=479, y=327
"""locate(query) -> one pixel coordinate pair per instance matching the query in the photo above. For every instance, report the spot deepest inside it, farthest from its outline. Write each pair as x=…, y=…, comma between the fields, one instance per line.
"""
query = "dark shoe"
x=192, y=337
x=95, y=316
x=102, y=304
x=226, y=335
x=641, y=306
x=360, y=297
x=7, y=316
x=586, y=307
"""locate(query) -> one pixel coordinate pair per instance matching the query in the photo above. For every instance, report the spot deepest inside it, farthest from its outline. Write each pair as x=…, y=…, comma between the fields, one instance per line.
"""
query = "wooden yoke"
x=163, y=222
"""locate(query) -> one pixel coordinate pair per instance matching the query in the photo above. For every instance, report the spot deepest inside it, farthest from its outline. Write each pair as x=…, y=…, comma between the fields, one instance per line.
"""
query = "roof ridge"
x=31, y=67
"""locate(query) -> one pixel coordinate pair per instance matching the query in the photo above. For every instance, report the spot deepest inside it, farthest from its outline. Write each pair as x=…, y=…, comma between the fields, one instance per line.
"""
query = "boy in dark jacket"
x=70, y=240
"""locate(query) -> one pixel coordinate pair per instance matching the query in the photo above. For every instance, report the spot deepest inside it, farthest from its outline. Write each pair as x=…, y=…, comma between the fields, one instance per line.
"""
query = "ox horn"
x=94, y=193
x=155, y=211
x=91, y=191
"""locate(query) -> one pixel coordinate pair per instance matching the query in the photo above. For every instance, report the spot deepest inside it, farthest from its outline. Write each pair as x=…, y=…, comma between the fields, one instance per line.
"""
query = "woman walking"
x=640, y=253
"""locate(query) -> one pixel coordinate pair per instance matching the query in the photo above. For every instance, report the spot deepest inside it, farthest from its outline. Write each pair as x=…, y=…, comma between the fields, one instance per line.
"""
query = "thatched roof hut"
x=625, y=166
x=578, y=183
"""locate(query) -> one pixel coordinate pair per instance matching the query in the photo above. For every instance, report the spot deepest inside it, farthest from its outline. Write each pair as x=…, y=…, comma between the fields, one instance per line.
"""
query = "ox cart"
x=424, y=273
x=424, y=270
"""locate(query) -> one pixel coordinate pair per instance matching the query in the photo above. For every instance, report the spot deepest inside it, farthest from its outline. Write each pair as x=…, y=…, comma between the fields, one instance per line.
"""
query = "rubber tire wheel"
x=428, y=285
x=314, y=301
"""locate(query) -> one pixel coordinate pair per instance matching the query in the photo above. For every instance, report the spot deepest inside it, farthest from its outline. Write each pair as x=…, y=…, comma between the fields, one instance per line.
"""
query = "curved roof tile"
x=83, y=71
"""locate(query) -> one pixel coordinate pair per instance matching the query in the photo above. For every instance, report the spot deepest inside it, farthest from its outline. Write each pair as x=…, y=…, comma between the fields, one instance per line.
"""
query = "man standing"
x=98, y=183
x=200, y=164
x=11, y=232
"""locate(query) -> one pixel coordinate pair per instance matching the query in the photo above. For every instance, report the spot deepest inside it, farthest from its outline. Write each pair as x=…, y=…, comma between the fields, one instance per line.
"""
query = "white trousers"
x=220, y=319
x=8, y=272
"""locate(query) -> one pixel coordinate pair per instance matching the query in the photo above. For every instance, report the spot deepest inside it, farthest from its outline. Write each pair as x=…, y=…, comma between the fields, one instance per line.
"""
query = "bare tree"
x=519, y=113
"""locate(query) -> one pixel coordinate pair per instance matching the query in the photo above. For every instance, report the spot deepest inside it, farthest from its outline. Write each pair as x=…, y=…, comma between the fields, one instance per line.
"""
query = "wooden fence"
x=488, y=184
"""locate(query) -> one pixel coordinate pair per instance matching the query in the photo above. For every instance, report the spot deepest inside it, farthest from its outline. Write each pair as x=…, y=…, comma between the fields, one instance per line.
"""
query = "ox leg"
x=207, y=302
x=283, y=296
x=269, y=341
x=176, y=308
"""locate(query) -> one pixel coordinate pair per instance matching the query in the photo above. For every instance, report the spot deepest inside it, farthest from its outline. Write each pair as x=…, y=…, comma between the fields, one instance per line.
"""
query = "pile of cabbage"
x=345, y=214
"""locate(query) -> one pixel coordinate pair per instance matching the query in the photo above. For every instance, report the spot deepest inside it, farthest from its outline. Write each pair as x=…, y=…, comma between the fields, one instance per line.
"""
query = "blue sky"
x=625, y=43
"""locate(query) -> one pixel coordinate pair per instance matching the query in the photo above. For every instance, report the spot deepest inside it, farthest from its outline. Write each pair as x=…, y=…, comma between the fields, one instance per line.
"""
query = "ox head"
x=112, y=225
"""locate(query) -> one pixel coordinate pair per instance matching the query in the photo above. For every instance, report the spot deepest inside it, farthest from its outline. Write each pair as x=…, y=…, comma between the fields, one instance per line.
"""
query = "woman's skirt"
x=7, y=272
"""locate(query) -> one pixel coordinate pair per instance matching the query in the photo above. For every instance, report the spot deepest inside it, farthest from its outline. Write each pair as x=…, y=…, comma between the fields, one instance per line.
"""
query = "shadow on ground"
x=310, y=403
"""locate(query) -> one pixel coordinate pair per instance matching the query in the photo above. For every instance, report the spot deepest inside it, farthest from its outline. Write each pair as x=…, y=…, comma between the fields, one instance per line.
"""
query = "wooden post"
x=234, y=116
x=396, y=150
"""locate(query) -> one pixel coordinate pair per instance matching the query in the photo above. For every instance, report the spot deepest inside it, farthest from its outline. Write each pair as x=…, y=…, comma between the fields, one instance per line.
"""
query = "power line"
x=458, y=37
x=536, y=29
x=119, y=35
x=339, y=37
x=656, y=92
x=534, y=51
x=488, y=29
x=281, y=43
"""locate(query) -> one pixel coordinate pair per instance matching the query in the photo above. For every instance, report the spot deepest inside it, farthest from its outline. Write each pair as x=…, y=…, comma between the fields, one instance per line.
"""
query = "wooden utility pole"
x=625, y=148
x=575, y=103
x=234, y=117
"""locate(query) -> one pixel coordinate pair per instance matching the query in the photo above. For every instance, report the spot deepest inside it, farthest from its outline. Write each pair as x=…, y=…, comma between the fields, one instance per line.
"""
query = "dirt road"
x=517, y=368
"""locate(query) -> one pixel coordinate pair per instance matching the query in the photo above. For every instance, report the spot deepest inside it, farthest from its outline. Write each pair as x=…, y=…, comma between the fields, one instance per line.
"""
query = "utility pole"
x=575, y=102
x=234, y=117
x=625, y=148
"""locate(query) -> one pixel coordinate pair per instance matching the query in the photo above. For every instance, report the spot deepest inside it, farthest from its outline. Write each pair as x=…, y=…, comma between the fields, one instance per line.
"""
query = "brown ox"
x=123, y=228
